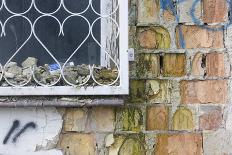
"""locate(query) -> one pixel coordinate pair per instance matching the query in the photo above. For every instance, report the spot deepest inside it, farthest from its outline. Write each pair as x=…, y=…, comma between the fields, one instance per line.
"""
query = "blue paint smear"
x=170, y=5
x=198, y=22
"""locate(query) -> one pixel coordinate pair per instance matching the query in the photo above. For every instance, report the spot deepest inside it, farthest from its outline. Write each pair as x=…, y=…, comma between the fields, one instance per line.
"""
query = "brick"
x=148, y=66
x=154, y=37
x=148, y=11
x=127, y=145
x=198, y=64
x=210, y=65
x=74, y=144
x=129, y=119
x=208, y=91
x=179, y=144
x=132, y=147
x=215, y=11
x=211, y=119
x=89, y=120
x=215, y=65
x=157, y=118
x=174, y=65
x=137, y=91
x=196, y=37
x=158, y=91
x=183, y=119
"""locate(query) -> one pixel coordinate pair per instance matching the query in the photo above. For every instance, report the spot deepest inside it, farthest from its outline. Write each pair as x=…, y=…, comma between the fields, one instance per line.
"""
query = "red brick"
x=211, y=119
x=179, y=144
x=209, y=91
x=196, y=37
x=157, y=118
x=215, y=65
x=155, y=37
x=215, y=11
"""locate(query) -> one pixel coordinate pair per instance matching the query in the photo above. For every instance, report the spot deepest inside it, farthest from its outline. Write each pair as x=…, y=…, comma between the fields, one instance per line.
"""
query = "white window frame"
x=121, y=89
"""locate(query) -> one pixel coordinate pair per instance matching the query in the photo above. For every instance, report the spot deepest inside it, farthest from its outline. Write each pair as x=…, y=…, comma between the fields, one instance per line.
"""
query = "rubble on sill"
x=29, y=73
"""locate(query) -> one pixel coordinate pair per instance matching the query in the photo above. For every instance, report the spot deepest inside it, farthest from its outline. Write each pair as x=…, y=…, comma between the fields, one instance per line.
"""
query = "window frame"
x=121, y=89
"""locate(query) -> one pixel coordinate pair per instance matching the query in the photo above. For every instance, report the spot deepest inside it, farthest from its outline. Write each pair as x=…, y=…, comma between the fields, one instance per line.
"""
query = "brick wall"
x=179, y=102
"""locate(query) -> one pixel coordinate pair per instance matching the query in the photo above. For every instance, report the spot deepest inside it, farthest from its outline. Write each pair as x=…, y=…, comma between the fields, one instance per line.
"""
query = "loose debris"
x=49, y=74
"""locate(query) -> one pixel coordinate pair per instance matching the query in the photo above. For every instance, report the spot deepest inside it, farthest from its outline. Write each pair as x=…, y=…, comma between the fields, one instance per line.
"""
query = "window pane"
x=47, y=29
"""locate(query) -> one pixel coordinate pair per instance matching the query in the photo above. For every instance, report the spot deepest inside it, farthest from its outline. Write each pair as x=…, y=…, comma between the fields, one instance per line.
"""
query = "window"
x=64, y=47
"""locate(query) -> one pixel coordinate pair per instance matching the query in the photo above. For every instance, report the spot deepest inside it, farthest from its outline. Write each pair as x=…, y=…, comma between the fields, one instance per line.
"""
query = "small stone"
x=29, y=62
x=10, y=64
x=14, y=69
x=9, y=75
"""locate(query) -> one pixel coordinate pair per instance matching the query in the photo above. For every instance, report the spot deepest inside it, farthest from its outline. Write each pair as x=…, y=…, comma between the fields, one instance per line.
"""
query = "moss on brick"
x=137, y=91
x=155, y=37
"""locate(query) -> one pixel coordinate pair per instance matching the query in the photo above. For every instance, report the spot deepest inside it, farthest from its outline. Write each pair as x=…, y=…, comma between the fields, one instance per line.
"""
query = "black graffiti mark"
x=28, y=125
x=15, y=125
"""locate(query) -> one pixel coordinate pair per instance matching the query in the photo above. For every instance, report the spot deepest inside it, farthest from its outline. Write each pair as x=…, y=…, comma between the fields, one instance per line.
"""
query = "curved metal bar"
x=47, y=50
x=75, y=51
x=17, y=13
x=105, y=50
x=75, y=13
x=107, y=15
x=17, y=51
x=46, y=13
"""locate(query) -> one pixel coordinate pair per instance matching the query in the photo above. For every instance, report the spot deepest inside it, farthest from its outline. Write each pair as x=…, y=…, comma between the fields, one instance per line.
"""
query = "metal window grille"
x=108, y=76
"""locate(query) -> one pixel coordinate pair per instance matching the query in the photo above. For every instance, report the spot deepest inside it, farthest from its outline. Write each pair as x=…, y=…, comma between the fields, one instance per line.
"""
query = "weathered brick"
x=179, y=144
x=210, y=65
x=211, y=119
x=88, y=120
x=197, y=37
x=130, y=145
x=148, y=66
x=74, y=144
x=215, y=65
x=183, y=119
x=208, y=91
x=174, y=65
x=215, y=11
x=158, y=91
x=129, y=119
x=157, y=118
x=154, y=37
x=148, y=11
x=137, y=91
x=198, y=64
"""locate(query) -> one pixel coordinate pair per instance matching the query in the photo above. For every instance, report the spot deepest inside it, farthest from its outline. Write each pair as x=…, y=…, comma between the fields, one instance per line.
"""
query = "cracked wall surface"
x=179, y=101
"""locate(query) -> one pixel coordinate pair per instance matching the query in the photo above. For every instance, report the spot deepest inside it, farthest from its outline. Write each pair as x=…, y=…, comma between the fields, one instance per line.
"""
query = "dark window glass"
x=47, y=29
